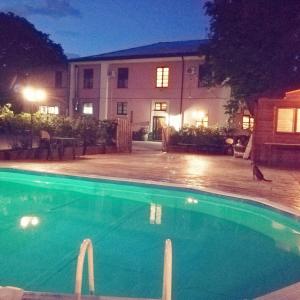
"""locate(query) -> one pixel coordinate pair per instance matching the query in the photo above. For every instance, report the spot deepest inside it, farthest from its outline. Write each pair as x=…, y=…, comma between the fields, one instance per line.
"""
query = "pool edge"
x=258, y=200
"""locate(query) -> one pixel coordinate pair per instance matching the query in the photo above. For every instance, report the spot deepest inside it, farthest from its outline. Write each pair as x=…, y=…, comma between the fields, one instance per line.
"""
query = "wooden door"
x=158, y=123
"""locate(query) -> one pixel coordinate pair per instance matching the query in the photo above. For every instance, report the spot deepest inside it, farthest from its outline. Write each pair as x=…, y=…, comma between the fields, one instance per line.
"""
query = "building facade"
x=55, y=81
x=150, y=86
x=276, y=138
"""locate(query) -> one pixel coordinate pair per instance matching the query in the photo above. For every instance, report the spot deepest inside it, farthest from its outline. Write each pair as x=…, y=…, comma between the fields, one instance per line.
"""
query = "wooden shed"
x=276, y=136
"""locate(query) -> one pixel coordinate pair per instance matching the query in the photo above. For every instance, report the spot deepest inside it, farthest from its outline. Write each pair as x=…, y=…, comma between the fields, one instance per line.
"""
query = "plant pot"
x=111, y=149
x=79, y=151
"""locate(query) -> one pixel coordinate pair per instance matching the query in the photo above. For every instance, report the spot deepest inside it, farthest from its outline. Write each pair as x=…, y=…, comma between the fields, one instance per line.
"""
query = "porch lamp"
x=33, y=96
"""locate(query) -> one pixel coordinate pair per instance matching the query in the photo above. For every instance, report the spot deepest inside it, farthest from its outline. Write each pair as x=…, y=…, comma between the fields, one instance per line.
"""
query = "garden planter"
x=99, y=149
x=2, y=154
x=68, y=153
x=111, y=149
x=79, y=151
x=41, y=153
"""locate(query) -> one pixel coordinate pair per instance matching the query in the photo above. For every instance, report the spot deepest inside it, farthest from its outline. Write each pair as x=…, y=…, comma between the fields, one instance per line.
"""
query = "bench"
x=284, y=146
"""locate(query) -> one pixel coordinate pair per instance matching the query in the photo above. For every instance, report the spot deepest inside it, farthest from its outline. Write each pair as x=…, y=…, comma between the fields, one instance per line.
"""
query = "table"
x=61, y=141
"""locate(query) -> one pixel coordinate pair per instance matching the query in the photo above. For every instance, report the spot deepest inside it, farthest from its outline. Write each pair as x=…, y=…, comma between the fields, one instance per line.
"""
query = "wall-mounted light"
x=175, y=121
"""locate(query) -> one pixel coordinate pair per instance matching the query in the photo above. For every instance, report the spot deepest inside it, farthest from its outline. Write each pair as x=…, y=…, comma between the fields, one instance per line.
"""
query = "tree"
x=255, y=47
x=22, y=49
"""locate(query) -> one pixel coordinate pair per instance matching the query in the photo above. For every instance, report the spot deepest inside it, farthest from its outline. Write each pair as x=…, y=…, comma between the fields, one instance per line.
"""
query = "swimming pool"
x=223, y=248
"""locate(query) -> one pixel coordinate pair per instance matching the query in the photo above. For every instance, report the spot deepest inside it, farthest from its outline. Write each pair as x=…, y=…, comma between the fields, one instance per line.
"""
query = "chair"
x=45, y=142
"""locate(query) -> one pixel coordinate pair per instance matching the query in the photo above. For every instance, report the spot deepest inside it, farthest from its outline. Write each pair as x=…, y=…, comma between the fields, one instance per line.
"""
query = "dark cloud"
x=50, y=8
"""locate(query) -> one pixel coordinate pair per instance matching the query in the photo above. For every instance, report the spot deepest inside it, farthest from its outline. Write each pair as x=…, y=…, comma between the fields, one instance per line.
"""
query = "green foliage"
x=198, y=136
x=255, y=47
x=89, y=130
x=22, y=49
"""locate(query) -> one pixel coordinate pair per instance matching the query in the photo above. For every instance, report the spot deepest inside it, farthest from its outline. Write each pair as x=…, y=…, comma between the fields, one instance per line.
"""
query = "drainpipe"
x=181, y=90
x=76, y=106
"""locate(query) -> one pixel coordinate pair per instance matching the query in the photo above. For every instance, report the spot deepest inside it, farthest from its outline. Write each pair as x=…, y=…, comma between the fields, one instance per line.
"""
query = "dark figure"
x=257, y=174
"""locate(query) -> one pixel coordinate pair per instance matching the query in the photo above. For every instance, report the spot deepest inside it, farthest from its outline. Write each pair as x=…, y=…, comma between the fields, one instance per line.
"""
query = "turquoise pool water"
x=223, y=248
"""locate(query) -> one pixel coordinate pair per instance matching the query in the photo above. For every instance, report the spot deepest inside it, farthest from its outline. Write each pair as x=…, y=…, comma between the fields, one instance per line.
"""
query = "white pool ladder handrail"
x=86, y=245
x=167, y=276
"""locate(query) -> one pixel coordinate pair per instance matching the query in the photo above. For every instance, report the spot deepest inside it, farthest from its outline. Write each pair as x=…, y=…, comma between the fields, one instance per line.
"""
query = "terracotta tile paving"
x=223, y=173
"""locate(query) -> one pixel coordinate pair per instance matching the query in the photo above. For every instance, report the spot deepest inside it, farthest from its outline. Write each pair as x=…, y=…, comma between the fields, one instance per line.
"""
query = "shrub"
x=198, y=136
x=89, y=130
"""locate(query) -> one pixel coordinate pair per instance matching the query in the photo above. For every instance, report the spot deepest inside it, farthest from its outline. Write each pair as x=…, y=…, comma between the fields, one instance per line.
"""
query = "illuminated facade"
x=54, y=81
x=150, y=86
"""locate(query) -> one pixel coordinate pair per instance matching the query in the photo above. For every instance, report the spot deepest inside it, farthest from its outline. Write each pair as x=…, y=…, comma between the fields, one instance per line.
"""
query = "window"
x=288, y=120
x=162, y=77
x=122, y=78
x=122, y=108
x=87, y=108
x=204, y=73
x=162, y=106
x=203, y=122
x=58, y=79
x=248, y=122
x=53, y=110
x=88, y=76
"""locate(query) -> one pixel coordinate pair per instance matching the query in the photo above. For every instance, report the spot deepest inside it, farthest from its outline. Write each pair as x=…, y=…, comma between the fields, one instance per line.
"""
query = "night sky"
x=86, y=27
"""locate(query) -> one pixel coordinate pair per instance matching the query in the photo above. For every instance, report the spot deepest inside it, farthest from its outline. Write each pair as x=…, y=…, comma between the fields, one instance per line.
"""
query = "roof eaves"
x=123, y=57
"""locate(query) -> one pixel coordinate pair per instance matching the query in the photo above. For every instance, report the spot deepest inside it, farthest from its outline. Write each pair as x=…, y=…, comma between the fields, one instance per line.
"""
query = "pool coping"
x=257, y=200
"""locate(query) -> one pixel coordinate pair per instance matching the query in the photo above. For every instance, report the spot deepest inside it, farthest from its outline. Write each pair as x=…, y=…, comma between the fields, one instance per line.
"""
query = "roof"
x=162, y=49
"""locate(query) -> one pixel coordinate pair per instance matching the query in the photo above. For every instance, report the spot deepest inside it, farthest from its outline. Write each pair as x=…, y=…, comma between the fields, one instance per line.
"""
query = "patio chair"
x=45, y=142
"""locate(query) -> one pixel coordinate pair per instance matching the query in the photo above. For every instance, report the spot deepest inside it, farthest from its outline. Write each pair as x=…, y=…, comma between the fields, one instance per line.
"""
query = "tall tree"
x=22, y=49
x=255, y=47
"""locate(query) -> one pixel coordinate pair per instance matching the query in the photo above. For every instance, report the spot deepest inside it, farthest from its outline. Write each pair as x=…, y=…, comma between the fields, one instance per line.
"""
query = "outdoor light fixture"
x=201, y=115
x=32, y=94
x=175, y=121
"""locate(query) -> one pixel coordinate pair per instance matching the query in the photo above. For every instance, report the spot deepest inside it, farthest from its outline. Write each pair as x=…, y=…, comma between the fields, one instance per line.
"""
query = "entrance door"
x=158, y=123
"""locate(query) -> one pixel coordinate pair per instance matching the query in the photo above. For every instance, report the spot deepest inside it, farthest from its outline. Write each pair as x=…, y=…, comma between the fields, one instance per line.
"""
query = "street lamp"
x=33, y=95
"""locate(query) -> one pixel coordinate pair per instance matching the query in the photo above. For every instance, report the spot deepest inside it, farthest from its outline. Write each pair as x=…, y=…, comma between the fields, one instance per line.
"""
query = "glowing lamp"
x=34, y=95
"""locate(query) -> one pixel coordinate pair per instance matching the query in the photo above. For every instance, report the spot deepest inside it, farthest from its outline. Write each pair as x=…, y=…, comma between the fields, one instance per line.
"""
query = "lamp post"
x=33, y=96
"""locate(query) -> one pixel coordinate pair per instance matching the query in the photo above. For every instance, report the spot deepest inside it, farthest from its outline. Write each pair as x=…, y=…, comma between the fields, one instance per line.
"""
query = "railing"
x=85, y=246
x=167, y=276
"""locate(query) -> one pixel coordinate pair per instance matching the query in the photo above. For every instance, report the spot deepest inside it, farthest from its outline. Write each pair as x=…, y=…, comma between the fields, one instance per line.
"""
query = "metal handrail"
x=86, y=245
x=167, y=276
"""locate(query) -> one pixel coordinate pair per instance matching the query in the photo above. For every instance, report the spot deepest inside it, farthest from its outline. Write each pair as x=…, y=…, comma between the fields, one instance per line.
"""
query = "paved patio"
x=223, y=173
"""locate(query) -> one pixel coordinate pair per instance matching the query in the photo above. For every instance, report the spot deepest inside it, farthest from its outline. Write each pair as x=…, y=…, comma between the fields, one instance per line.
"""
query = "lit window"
x=248, y=122
x=123, y=78
x=203, y=122
x=286, y=119
x=53, y=110
x=161, y=106
x=162, y=77
x=43, y=109
x=58, y=79
x=88, y=76
x=87, y=108
x=122, y=108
